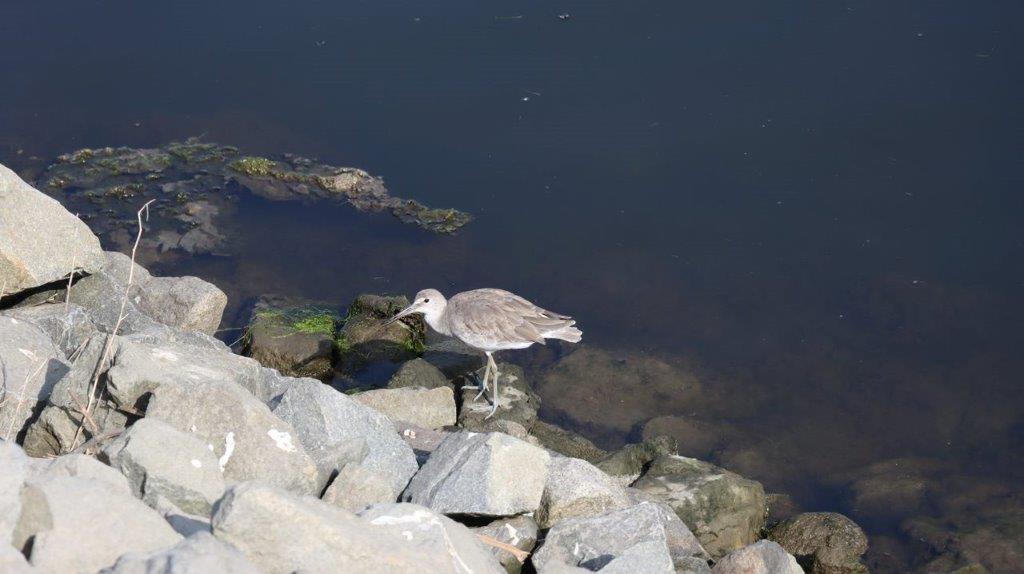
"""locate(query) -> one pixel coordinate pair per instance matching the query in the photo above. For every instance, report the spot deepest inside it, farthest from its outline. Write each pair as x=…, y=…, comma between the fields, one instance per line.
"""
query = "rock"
x=325, y=419
x=194, y=555
x=628, y=462
x=423, y=441
x=823, y=542
x=780, y=507
x=566, y=442
x=249, y=441
x=30, y=366
x=12, y=561
x=518, y=531
x=517, y=403
x=445, y=545
x=594, y=541
x=15, y=469
x=695, y=438
x=764, y=557
x=363, y=341
x=891, y=489
x=56, y=511
x=607, y=405
x=419, y=373
x=648, y=557
x=283, y=533
x=30, y=258
x=68, y=326
x=295, y=339
x=481, y=474
x=576, y=488
x=357, y=487
x=79, y=466
x=724, y=510
x=428, y=408
x=187, y=303
x=101, y=297
x=160, y=460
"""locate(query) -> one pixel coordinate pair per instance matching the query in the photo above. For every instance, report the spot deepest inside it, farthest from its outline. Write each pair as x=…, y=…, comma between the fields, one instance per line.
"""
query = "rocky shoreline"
x=135, y=441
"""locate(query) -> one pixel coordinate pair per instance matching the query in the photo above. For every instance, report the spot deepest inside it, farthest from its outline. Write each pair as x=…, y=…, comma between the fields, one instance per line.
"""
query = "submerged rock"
x=566, y=442
x=823, y=542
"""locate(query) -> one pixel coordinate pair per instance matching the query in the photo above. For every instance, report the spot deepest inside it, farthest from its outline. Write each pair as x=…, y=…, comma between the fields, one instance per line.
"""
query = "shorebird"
x=490, y=320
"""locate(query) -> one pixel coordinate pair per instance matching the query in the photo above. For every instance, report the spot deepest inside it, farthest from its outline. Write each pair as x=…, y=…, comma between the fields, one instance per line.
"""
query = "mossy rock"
x=566, y=442
x=296, y=339
x=364, y=340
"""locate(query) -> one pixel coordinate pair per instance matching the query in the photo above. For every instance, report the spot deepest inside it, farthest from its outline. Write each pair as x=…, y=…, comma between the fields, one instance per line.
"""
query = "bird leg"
x=494, y=386
x=482, y=384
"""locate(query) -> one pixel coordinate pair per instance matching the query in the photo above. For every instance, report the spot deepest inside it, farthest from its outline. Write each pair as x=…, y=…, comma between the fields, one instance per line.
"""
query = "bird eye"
x=426, y=300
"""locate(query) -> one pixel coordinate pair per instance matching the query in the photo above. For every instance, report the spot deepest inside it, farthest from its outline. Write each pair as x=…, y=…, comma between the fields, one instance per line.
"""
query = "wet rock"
x=249, y=442
x=566, y=442
x=418, y=373
x=892, y=489
x=161, y=461
x=282, y=533
x=445, y=545
x=517, y=402
x=696, y=438
x=577, y=488
x=823, y=542
x=780, y=507
x=428, y=408
x=297, y=340
x=363, y=340
x=68, y=326
x=30, y=259
x=627, y=463
x=31, y=366
x=193, y=555
x=724, y=510
x=15, y=469
x=79, y=466
x=481, y=474
x=325, y=418
x=608, y=404
x=518, y=531
x=764, y=557
x=594, y=541
x=56, y=511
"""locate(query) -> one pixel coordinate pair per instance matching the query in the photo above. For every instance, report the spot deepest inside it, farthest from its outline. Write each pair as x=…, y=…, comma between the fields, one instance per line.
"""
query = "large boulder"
x=327, y=420
x=823, y=542
x=162, y=461
x=445, y=545
x=196, y=554
x=67, y=325
x=764, y=557
x=249, y=441
x=187, y=303
x=488, y=474
x=428, y=408
x=81, y=525
x=295, y=339
x=363, y=340
x=594, y=541
x=575, y=488
x=30, y=366
x=40, y=242
x=724, y=510
x=14, y=465
x=517, y=402
x=518, y=531
x=650, y=557
x=566, y=442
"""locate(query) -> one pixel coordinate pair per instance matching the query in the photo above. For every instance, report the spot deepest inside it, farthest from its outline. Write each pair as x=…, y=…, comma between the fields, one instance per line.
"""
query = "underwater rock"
x=566, y=442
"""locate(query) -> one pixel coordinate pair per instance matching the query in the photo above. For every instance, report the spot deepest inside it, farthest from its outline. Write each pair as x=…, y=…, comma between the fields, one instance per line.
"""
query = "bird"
x=490, y=320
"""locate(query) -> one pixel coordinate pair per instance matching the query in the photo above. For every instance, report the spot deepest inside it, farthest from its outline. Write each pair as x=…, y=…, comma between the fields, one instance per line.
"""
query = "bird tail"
x=566, y=333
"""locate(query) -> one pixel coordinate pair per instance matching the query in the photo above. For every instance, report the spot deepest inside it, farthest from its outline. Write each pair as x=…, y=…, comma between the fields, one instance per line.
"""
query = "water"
x=817, y=207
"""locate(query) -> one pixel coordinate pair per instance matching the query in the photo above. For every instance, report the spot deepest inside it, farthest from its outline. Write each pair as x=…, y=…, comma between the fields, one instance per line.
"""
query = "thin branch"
x=520, y=555
x=21, y=398
x=94, y=441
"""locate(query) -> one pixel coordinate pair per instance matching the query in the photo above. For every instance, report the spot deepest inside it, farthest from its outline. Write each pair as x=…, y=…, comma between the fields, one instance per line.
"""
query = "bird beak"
x=407, y=311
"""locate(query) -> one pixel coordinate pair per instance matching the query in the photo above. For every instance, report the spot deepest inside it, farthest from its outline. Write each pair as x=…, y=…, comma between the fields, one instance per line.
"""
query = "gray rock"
x=282, y=533
x=160, y=460
x=576, y=488
x=182, y=522
x=418, y=373
x=428, y=408
x=15, y=469
x=481, y=474
x=31, y=258
x=79, y=466
x=823, y=542
x=423, y=441
x=566, y=442
x=120, y=268
x=724, y=510
x=249, y=441
x=445, y=545
x=517, y=402
x=649, y=557
x=101, y=297
x=357, y=487
x=197, y=554
x=764, y=557
x=271, y=385
x=187, y=303
x=56, y=511
x=518, y=531
x=68, y=326
x=30, y=366
x=594, y=541
x=628, y=462
x=325, y=418
x=12, y=561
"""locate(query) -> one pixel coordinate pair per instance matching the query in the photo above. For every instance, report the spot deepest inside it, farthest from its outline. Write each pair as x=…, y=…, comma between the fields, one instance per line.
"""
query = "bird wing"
x=494, y=317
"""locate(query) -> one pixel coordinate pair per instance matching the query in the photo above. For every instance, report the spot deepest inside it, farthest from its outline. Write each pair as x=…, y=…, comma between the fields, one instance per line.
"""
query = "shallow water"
x=816, y=209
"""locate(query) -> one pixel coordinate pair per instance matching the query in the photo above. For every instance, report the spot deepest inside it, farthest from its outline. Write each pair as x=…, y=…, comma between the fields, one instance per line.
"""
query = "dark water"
x=819, y=204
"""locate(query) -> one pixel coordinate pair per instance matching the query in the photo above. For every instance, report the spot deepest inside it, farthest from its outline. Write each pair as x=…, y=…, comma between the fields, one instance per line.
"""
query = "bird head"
x=430, y=302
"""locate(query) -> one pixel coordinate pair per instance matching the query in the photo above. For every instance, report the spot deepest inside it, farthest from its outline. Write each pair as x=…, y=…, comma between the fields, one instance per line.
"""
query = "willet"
x=490, y=320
